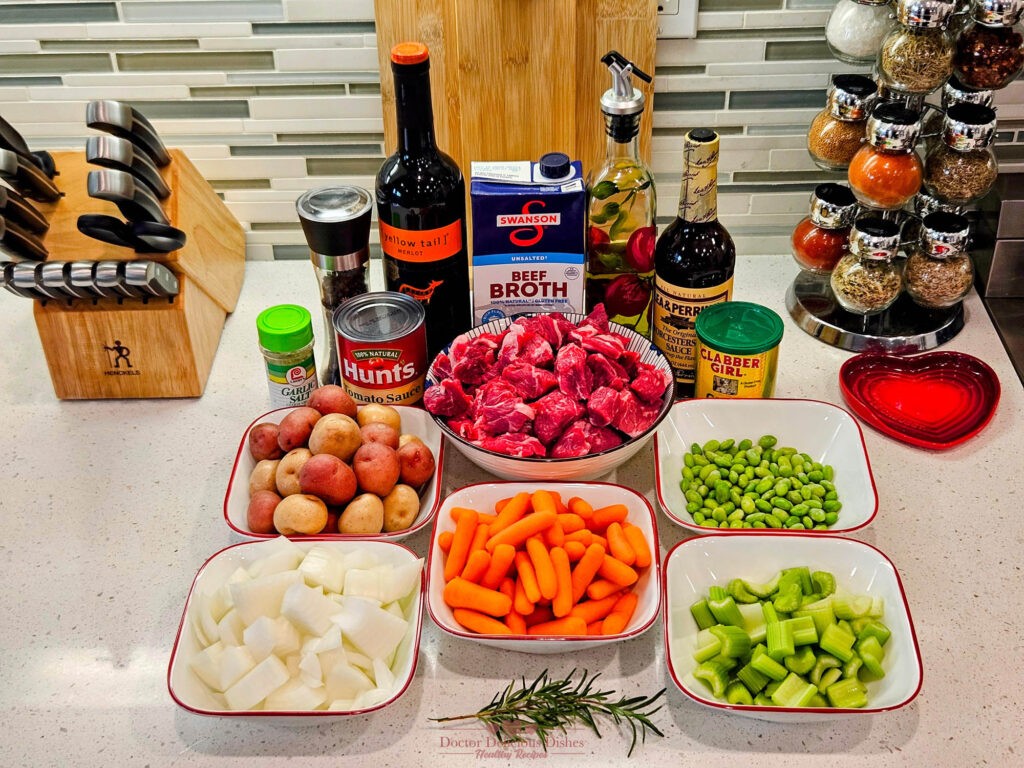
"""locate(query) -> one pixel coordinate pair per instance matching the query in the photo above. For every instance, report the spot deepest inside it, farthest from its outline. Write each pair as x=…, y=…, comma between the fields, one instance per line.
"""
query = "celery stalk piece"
x=848, y=694
x=762, y=700
x=771, y=616
x=817, y=700
x=771, y=688
x=794, y=692
x=787, y=599
x=737, y=693
x=714, y=675
x=766, y=665
x=803, y=578
x=725, y=610
x=753, y=621
x=702, y=614
x=708, y=646
x=849, y=607
x=811, y=598
x=838, y=642
x=876, y=629
x=717, y=593
x=824, y=582
x=726, y=662
x=780, y=640
x=762, y=591
x=738, y=589
x=754, y=681
x=824, y=662
x=857, y=625
x=821, y=611
x=801, y=662
x=851, y=669
x=803, y=629
x=877, y=610
x=830, y=676
x=735, y=643
x=870, y=652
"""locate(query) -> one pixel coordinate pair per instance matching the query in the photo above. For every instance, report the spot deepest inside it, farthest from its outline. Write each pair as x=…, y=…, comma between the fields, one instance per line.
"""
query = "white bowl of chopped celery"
x=835, y=640
x=834, y=488
x=299, y=632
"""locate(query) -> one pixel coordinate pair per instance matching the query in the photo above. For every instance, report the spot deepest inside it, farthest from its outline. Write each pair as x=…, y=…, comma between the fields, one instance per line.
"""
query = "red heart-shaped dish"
x=936, y=400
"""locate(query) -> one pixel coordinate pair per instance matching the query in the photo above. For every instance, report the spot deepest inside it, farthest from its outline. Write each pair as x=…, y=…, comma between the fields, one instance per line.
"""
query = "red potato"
x=296, y=427
x=329, y=478
x=377, y=468
x=260, y=515
x=332, y=521
x=416, y=463
x=287, y=475
x=337, y=435
x=378, y=432
x=263, y=476
x=263, y=442
x=330, y=398
x=300, y=513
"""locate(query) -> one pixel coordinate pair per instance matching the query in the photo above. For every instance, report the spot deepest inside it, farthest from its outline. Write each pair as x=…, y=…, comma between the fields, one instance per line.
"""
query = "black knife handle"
x=22, y=242
x=21, y=211
x=27, y=178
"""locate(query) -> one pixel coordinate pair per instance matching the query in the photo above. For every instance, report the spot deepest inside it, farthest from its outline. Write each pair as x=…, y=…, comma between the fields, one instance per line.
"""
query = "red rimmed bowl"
x=936, y=400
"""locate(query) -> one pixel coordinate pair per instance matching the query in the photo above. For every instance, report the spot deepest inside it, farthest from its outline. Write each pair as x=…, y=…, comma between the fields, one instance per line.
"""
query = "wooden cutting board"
x=521, y=79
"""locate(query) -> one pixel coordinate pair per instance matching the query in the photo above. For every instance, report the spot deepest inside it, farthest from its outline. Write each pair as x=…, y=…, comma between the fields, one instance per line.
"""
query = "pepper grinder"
x=336, y=222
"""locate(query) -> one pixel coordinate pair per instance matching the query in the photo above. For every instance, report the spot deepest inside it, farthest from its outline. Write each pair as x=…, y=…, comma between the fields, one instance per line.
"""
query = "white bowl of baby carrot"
x=544, y=567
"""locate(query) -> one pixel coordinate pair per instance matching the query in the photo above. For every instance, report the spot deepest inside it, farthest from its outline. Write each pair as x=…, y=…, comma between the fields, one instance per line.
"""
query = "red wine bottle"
x=421, y=208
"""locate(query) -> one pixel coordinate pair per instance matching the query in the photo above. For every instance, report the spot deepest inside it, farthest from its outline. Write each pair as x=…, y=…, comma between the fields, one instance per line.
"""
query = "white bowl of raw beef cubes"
x=549, y=396
x=299, y=632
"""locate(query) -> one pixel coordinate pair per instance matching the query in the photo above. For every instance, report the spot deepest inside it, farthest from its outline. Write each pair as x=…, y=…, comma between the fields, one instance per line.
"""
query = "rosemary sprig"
x=547, y=705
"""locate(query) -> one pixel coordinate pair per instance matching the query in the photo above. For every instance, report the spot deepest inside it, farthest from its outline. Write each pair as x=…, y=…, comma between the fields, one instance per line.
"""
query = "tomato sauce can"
x=737, y=350
x=382, y=348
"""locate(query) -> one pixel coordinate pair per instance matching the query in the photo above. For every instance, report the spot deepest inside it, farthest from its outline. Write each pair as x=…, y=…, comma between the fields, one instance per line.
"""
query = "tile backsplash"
x=273, y=97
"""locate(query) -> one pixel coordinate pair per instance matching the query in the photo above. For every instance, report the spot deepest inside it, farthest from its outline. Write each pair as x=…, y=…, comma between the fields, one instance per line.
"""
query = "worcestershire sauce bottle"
x=693, y=260
x=421, y=207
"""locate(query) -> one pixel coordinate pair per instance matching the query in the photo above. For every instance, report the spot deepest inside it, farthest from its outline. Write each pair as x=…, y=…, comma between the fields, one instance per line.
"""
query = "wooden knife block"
x=134, y=348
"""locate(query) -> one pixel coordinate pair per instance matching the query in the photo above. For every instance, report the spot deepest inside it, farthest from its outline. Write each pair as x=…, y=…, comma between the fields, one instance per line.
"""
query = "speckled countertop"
x=109, y=508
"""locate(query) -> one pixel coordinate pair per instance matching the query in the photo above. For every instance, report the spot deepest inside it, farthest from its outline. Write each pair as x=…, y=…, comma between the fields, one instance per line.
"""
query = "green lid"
x=739, y=328
x=284, y=328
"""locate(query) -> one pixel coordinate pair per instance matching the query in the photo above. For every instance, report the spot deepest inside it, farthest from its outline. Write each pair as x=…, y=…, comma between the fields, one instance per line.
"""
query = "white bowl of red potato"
x=336, y=468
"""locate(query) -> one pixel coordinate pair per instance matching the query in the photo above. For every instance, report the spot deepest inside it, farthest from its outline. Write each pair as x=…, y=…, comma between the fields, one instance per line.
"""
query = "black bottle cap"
x=972, y=114
x=857, y=85
x=895, y=113
x=555, y=165
x=877, y=226
x=942, y=221
x=835, y=194
x=336, y=220
x=703, y=135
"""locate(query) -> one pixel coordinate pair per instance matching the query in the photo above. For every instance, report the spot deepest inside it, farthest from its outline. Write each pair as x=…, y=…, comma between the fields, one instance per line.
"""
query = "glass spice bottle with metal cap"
x=938, y=272
x=886, y=172
x=336, y=222
x=962, y=168
x=867, y=281
x=838, y=131
x=953, y=92
x=855, y=29
x=916, y=57
x=820, y=240
x=922, y=204
x=990, y=51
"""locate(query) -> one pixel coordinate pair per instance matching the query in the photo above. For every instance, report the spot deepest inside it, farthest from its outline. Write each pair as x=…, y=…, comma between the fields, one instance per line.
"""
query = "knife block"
x=141, y=348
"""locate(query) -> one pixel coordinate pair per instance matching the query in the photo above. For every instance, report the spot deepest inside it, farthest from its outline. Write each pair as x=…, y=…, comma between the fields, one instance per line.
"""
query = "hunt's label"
x=675, y=313
x=421, y=246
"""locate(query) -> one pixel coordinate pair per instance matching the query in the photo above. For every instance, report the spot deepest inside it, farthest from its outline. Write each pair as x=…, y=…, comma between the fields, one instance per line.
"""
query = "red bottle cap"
x=409, y=53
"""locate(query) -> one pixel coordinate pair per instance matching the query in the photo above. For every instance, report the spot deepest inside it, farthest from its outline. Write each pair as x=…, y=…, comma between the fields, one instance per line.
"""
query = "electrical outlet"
x=677, y=18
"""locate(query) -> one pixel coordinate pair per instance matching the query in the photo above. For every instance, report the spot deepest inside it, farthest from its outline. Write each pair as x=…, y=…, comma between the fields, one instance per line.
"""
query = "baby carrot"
x=479, y=623
x=599, y=539
x=575, y=550
x=507, y=587
x=613, y=513
x=516, y=623
x=500, y=504
x=585, y=571
x=594, y=610
x=581, y=507
x=480, y=536
x=571, y=522
x=465, y=527
x=542, y=566
x=638, y=541
x=554, y=536
x=513, y=510
x=560, y=506
x=521, y=604
x=501, y=561
x=544, y=501
x=569, y=626
x=485, y=518
x=456, y=511
x=476, y=565
x=540, y=615
x=520, y=530
x=617, y=620
x=619, y=547
x=594, y=628
x=562, y=601
x=527, y=577
x=459, y=593
x=616, y=571
x=444, y=540
x=584, y=537
x=601, y=588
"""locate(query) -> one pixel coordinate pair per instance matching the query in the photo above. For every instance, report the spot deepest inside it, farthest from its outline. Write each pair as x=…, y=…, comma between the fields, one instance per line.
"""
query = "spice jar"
x=922, y=204
x=336, y=222
x=953, y=92
x=286, y=341
x=963, y=168
x=855, y=29
x=820, y=240
x=837, y=132
x=886, y=172
x=939, y=272
x=866, y=281
x=990, y=52
x=917, y=55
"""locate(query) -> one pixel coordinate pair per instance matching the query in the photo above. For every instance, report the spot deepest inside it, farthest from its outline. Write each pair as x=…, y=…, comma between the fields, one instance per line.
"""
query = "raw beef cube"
x=465, y=429
x=629, y=360
x=598, y=318
x=530, y=381
x=536, y=350
x=573, y=442
x=603, y=438
x=609, y=344
x=555, y=411
x=607, y=373
x=650, y=382
x=634, y=416
x=442, y=367
x=602, y=406
x=447, y=398
x=517, y=444
x=498, y=409
x=511, y=345
x=574, y=377
x=473, y=359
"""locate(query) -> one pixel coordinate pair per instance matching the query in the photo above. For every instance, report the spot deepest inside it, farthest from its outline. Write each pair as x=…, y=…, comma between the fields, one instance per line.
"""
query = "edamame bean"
x=767, y=441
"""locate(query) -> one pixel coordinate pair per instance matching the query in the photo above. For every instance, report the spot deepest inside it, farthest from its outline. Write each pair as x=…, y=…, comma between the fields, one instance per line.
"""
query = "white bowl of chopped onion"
x=550, y=396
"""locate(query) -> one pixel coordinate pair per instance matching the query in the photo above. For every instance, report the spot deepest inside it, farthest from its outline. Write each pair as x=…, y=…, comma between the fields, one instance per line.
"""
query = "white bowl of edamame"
x=763, y=465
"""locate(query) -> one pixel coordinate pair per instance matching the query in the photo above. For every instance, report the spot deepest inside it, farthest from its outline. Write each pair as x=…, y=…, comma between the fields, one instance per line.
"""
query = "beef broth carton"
x=529, y=226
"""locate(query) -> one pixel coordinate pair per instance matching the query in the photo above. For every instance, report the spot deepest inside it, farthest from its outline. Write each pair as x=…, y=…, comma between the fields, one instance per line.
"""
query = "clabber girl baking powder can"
x=737, y=350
